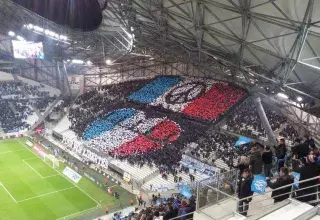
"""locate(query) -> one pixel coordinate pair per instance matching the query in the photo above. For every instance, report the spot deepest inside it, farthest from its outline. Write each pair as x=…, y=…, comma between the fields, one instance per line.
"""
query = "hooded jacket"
x=277, y=195
x=256, y=163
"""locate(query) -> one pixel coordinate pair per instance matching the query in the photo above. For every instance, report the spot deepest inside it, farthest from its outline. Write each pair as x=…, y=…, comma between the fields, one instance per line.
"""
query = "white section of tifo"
x=136, y=171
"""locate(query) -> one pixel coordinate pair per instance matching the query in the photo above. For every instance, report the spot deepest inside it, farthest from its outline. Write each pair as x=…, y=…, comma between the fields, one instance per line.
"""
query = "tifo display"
x=198, y=98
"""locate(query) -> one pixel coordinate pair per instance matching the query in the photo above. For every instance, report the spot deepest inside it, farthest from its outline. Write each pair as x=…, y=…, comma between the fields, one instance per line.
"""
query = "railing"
x=211, y=190
x=214, y=193
x=307, y=194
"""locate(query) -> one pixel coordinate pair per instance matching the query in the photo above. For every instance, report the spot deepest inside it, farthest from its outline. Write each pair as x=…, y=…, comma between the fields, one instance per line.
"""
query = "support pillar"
x=265, y=122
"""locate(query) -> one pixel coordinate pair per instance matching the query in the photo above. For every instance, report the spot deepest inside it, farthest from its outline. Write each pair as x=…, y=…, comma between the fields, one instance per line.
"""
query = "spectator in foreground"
x=308, y=141
x=244, y=191
x=267, y=161
x=281, y=151
x=284, y=179
x=242, y=165
x=256, y=161
x=307, y=169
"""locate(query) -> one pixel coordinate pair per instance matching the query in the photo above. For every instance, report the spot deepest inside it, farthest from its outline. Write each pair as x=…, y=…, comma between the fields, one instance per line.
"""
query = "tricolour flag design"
x=129, y=131
x=198, y=98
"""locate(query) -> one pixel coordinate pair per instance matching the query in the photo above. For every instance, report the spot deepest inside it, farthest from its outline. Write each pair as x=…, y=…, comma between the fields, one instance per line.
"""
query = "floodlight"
x=77, y=61
x=20, y=38
x=11, y=33
x=108, y=62
x=39, y=29
x=282, y=95
x=299, y=99
x=89, y=63
x=30, y=26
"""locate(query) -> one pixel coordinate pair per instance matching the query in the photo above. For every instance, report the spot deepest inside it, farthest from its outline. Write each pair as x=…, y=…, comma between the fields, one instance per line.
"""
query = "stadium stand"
x=19, y=98
x=245, y=120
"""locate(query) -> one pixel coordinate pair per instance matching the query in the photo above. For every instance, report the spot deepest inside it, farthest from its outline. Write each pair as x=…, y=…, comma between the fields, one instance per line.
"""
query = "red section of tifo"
x=166, y=131
x=217, y=100
x=140, y=144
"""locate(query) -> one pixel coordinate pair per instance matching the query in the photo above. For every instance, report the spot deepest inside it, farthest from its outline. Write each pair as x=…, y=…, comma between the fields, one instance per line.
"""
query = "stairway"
x=289, y=212
x=289, y=209
x=42, y=117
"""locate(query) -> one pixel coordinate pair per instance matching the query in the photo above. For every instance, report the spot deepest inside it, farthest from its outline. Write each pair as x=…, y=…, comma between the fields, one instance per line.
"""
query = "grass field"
x=30, y=189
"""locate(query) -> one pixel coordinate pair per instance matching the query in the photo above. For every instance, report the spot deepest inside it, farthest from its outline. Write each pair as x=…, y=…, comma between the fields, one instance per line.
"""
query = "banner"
x=74, y=82
x=71, y=174
x=29, y=143
x=296, y=179
x=201, y=167
x=39, y=151
x=186, y=191
x=259, y=184
x=126, y=177
x=242, y=140
x=89, y=177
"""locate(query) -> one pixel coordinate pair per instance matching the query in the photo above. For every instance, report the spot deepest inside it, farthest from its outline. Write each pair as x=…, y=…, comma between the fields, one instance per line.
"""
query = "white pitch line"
x=43, y=177
x=77, y=213
x=51, y=176
x=61, y=190
x=112, y=186
x=31, y=158
x=33, y=169
x=62, y=175
x=12, y=151
x=8, y=193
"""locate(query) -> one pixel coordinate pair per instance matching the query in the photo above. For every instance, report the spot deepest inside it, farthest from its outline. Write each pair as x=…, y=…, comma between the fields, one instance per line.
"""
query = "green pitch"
x=30, y=189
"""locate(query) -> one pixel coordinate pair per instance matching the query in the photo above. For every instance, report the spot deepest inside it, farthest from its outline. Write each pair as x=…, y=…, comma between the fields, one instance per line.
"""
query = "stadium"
x=159, y=109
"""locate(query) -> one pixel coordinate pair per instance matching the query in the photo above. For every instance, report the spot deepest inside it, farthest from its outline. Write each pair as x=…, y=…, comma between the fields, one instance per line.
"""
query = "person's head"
x=267, y=148
x=284, y=171
x=297, y=141
x=254, y=149
x=315, y=152
x=282, y=141
x=310, y=159
x=306, y=137
x=143, y=217
x=246, y=173
x=244, y=160
x=157, y=213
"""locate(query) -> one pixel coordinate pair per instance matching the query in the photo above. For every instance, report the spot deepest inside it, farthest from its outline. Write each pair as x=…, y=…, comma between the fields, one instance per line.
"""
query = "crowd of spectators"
x=166, y=208
x=66, y=102
x=289, y=132
x=11, y=121
x=245, y=120
x=303, y=158
x=16, y=106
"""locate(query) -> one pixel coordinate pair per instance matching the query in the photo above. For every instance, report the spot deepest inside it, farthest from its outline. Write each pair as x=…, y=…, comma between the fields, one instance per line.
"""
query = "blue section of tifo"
x=107, y=122
x=154, y=89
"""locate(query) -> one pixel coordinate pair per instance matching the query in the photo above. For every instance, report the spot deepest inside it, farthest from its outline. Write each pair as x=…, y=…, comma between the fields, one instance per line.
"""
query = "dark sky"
x=76, y=14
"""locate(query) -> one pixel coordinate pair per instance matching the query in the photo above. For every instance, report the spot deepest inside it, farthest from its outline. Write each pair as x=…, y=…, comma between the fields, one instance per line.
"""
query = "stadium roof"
x=264, y=41
x=257, y=43
x=81, y=14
